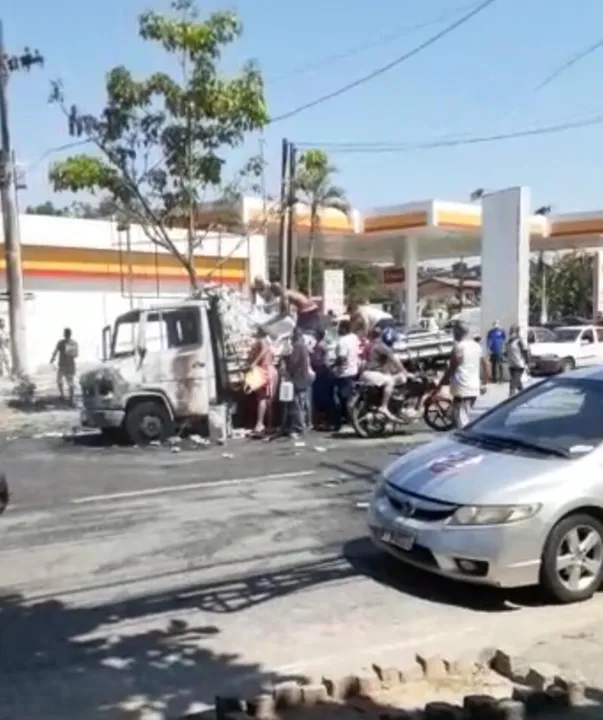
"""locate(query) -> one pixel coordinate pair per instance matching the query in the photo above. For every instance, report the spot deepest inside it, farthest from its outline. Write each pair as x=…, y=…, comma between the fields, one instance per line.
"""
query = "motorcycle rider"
x=384, y=370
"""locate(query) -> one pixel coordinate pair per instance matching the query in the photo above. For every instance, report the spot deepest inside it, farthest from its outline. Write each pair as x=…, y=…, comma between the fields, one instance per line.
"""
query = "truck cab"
x=161, y=367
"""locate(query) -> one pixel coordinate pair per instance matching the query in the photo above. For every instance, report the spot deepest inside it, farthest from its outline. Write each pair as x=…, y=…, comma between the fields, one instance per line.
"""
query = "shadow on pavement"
x=99, y=662
x=368, y=560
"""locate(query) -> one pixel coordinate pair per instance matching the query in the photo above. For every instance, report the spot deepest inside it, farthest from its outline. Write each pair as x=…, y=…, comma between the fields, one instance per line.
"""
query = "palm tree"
x=314, y=188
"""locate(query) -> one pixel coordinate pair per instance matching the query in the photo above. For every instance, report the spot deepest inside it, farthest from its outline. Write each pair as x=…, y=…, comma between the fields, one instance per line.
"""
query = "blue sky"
x=478, y=80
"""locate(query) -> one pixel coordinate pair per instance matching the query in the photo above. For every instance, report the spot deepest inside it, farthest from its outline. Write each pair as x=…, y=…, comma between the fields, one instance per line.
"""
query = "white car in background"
x=568, y=348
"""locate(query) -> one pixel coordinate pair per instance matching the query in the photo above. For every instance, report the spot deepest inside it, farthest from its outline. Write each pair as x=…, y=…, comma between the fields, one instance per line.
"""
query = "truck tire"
x=147, y=422
x=568, y=364
x=555, y=575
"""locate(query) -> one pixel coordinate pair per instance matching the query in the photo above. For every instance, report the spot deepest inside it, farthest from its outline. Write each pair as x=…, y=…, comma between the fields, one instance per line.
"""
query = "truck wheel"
x=572, y=560
x=568, y=364
x=148, y=422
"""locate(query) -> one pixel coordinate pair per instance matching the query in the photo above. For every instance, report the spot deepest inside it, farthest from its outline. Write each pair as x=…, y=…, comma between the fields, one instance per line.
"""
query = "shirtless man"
x=308, y=311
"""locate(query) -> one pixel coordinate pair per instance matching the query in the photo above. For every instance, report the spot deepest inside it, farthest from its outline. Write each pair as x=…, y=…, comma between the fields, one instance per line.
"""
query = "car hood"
x=463, y=474
x=550, y=348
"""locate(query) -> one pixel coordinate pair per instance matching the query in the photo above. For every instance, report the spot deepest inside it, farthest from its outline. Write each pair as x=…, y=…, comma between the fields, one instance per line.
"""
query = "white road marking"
x=190, y=486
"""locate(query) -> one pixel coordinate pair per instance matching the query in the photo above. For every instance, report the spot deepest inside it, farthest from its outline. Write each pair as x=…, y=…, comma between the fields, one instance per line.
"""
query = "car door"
x=588, y=352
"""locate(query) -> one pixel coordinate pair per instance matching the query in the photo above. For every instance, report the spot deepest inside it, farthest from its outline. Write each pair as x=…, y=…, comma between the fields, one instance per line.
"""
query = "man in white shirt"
x=347, y=367
x=466, y=374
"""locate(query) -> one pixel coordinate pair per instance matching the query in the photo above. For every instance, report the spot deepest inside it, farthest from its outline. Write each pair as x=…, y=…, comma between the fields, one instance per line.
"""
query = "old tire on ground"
x=572, y=561
x=568, y=364
x=147, y=422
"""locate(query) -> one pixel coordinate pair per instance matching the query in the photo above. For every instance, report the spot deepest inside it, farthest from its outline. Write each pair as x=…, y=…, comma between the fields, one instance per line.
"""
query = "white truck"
x=161, y=367
x=568, y=348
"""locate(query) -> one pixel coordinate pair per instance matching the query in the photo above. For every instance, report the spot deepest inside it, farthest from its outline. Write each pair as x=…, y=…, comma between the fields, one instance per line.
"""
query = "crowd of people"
x=314, y=378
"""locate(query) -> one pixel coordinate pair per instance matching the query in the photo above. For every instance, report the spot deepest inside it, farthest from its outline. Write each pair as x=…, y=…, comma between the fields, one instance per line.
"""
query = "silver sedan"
x=514, y=499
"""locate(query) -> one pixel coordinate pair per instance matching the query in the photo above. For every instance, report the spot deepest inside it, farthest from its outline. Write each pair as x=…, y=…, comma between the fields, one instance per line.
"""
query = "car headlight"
x=493, y=514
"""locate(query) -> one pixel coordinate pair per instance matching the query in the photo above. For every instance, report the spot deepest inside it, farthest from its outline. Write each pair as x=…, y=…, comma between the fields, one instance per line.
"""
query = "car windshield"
x=566, y=335
x=560, y=416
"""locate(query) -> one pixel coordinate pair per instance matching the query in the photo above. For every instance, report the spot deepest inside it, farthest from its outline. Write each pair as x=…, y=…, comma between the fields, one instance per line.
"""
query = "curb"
x=535, y=689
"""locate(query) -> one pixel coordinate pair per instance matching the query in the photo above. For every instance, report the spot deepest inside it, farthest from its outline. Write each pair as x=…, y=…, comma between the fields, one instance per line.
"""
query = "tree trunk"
x=311, y=249
x=189, y=266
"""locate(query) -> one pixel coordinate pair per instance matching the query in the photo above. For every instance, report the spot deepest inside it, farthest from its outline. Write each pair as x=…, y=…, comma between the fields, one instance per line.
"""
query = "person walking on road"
x=466, y=374
x=518, y=357
x=496, y=349
x=67, y=351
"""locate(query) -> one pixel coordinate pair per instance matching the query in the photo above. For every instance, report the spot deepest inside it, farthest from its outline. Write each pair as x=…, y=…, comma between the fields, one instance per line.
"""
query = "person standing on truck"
x=306, y=309
x=466, y=374
x=496, y=349
x=67, y=351
x=518, y=357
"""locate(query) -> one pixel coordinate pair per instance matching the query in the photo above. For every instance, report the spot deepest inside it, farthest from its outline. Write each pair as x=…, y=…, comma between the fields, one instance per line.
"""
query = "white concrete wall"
x=86, y=305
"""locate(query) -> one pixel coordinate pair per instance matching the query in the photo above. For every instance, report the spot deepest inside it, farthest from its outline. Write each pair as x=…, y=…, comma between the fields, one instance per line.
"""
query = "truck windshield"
x=125, y=335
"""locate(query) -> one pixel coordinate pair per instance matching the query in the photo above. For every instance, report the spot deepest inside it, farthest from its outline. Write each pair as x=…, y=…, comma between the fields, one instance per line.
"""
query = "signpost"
x=333, y=291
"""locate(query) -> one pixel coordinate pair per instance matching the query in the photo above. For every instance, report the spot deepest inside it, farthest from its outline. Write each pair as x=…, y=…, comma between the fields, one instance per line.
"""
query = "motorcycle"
x=415, y=393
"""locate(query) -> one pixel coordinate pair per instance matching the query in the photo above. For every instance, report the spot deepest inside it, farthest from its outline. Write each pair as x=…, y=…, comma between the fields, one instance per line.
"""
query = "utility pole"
x=12, y=246
x=284, y=217
x=291, y=203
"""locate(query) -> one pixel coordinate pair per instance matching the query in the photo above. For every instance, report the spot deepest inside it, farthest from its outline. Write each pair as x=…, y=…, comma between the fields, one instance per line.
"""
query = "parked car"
x=568, y=348
x=513, y=499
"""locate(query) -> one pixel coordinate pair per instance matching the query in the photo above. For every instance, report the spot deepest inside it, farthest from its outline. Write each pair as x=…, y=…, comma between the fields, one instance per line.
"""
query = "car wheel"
x=148, y=422
x=567, y=364
x=572, y=561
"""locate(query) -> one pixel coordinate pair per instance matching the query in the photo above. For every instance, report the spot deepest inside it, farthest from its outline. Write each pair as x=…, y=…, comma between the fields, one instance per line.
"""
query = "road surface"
x=140, y=583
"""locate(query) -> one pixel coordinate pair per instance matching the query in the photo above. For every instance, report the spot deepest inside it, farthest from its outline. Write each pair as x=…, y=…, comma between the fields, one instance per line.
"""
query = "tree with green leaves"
x=568, y=286
x=315, y=188
x=161, y=141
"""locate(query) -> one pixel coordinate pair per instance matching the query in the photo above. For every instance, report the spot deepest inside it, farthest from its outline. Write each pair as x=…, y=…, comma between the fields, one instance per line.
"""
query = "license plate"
x=403, y=540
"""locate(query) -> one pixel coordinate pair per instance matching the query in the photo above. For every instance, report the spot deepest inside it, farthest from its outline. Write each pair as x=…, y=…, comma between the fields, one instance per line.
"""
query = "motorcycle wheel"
x=365, y=421
x=437, y=414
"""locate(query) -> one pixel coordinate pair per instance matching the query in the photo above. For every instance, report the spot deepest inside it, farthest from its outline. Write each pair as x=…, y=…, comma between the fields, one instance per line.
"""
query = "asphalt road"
x=140, y=583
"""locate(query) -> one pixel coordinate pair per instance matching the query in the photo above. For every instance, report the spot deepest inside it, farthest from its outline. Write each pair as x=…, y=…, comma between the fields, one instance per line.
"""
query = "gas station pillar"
x=505, y=259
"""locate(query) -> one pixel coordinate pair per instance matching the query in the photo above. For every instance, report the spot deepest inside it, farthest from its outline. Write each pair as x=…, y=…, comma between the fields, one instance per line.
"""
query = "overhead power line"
x=568, y=64
x=385, y=68
x=444, y=143
x=376, y=42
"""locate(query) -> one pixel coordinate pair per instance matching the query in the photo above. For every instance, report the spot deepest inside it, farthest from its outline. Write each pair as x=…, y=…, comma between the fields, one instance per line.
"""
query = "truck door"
x=184, y=362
